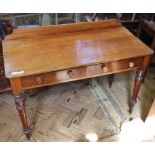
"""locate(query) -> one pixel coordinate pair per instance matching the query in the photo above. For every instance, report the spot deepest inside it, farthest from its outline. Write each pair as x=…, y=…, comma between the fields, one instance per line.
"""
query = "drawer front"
x=79, y=73
x=4, y=83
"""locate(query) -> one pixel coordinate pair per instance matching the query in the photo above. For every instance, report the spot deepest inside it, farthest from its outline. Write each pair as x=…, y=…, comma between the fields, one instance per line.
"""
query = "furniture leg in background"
x=111, y=79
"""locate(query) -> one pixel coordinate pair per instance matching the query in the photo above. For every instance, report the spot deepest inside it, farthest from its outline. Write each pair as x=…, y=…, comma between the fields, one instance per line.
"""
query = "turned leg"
x=111, y=79
x=138, y=81
x=20, y=105
x=141, y=72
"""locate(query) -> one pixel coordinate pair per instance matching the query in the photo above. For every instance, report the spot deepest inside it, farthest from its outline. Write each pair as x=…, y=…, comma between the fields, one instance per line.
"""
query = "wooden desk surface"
x=45, y=49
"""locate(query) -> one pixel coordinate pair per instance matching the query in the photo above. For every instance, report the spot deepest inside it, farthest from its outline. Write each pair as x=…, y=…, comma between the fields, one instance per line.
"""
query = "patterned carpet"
x=107, y=102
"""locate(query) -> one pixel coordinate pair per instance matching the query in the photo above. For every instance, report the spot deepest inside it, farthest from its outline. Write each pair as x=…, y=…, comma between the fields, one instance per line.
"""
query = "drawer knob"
x=131, y=64
x=70, y=73
x=39, y=80
x=103, y=66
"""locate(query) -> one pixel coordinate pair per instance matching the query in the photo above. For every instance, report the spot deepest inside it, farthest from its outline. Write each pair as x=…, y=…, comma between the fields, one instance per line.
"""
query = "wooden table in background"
x=50, y=55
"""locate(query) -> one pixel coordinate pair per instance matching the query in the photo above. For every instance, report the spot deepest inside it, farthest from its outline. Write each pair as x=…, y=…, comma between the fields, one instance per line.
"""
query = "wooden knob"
x=103, y=66
x=70, y=73
x=39, y=80
x=131, y=64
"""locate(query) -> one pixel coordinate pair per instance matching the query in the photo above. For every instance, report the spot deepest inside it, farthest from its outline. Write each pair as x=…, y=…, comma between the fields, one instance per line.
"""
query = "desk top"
x=51, y=48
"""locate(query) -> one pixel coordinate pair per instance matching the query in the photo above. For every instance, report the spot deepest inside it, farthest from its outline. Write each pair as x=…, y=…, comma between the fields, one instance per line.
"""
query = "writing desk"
x=49, y=55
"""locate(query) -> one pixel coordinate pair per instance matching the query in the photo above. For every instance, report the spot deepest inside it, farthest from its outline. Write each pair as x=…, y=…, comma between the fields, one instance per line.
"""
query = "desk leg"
x=138, y=81
x=111, y=79
x=20, y=105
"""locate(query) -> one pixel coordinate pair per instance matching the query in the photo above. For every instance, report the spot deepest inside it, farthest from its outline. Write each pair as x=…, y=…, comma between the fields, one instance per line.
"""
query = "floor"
x=84, y=110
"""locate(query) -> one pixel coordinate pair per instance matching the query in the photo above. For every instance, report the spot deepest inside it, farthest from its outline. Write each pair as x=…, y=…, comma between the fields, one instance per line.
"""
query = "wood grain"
x=62, y=29
x=39, y=50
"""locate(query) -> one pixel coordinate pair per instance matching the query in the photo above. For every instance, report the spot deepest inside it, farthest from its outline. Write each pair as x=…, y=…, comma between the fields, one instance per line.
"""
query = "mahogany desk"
x=49, y=55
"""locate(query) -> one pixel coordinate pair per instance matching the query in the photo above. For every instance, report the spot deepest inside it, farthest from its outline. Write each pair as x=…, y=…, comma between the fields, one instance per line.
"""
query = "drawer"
x=2, y=72
x=1, y=61
x=80, y=73
x=4, y=83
